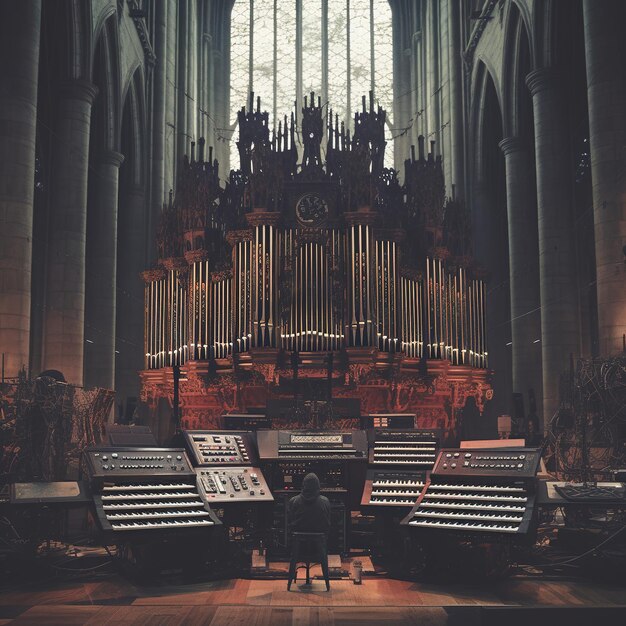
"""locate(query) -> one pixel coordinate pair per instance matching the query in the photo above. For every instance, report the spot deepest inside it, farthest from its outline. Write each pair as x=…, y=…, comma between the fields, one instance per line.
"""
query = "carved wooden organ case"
x=301, y=253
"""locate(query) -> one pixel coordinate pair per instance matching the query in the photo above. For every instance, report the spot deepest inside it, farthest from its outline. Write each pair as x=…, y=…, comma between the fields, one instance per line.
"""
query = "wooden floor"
x=267, y=603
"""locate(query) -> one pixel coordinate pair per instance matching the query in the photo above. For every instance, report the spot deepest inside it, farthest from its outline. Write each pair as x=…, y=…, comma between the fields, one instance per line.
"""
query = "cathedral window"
x=283, y=49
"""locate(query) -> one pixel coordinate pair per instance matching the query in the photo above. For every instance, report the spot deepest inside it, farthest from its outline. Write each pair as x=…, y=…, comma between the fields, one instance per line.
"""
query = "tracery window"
x=284, y=49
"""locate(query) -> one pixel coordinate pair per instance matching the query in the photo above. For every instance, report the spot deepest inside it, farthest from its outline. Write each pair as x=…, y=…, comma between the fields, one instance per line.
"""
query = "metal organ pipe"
x=271, y=302
x=374, y=302
x=147, y=324
x=206, y=308
x=352, y=287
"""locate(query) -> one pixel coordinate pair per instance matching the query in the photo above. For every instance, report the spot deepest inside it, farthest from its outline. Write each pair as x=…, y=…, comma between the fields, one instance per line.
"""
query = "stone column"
x=101, y=271
x=181, y=84
x=405, y=86
x=456, y=99
x=65, y=288
x=209, y=131
x=605, y=50
x=159, y=128
x=560, y=335
x=523, y=268
x=489, y=256
x=417, y=87
x=192, y=74
x=481, y=234
x=170, y=102
x=19, y=63
x=130, y=301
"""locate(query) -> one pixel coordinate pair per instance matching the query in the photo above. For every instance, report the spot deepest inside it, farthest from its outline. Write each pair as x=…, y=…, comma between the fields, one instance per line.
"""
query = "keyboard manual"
x=479, y=492
x=141, y=491
x=399, y=462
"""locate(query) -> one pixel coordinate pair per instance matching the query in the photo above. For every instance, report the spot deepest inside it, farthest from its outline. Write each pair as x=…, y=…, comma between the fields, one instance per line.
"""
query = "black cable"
x=584, y=554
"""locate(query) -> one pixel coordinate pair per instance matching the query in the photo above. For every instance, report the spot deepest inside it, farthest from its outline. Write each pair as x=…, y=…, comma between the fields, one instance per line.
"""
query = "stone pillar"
x=170, y=102
x=209, y=131
x=159, y=128
x=65, y=288
x=405, y=87
x=192, y=74
x=560, y=336
x=181, y=84
x=605, y=50
x=482, y=231
x=488, y=255
x=443, y=95
x=101, y=271
x=523, y=269
x=455, y=87
x=428, y=125
x=418, y=107
x=19, y=63
x=130, y=302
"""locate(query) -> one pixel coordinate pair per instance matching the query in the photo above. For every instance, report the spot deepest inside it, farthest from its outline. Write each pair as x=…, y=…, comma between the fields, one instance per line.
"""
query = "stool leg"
x=293, y=565
x=308, y=577
x=324, y=564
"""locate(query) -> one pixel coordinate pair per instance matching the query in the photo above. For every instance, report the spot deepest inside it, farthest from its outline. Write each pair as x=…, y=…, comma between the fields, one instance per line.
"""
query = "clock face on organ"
x=311, y=209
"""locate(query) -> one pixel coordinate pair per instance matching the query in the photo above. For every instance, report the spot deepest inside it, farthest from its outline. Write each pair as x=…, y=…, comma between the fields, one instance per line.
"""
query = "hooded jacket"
x=309, y=511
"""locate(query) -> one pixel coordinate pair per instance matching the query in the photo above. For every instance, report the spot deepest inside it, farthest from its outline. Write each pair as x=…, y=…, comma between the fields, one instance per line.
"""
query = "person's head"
x=532, y=425
x=310, y=487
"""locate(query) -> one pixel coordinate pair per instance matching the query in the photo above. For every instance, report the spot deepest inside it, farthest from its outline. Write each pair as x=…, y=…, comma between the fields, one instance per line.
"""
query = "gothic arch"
x=101, y=23
x=106, y=75
x=524, y=10
x=134, y=106
x=483, y=76
x=133, y=229
x=517, y=44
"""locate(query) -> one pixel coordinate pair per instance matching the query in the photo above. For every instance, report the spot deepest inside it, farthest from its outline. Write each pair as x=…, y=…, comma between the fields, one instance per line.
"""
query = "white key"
x=161, y=524
x=471, y=505
x=459, y=526
x=493, y=488
x=156, y=515
x=471, y=497
x=448, y=515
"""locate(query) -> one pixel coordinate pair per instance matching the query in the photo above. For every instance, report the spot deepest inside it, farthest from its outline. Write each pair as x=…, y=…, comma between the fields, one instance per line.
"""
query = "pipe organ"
x=166, y=324
x=314, y=258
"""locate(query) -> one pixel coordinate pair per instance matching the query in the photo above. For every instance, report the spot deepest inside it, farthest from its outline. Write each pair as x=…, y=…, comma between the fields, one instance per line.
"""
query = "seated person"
x=309, y=512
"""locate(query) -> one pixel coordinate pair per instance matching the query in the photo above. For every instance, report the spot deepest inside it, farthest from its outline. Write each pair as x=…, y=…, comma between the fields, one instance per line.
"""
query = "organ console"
x=289, y=455
x=399, y=460
x=139, y=491
x=223, y=460
x=479, y=494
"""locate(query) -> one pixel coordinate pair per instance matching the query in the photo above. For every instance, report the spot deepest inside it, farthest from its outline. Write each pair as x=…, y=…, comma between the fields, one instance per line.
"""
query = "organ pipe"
x=440, y=316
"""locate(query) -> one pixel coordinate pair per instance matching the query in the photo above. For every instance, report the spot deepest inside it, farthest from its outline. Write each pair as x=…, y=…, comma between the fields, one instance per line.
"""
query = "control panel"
x=517, y=462
x=330, y=445
x=233, y=484
x=221, y=447
x=105, y=463
x=288, y=475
